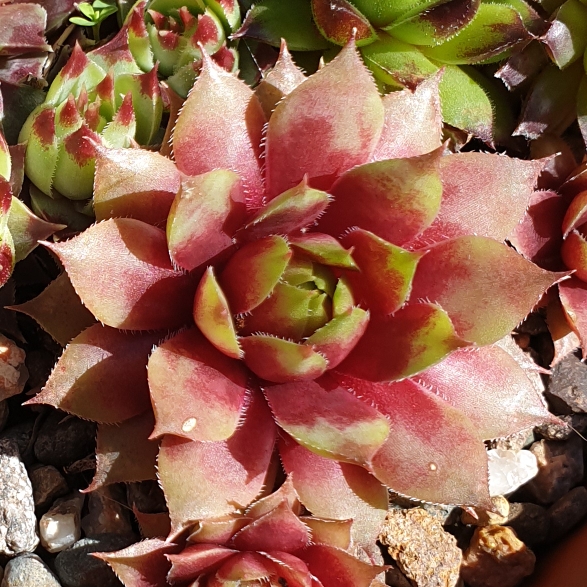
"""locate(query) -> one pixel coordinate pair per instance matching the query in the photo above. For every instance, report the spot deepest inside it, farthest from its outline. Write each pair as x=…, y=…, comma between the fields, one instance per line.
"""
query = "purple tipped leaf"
x=42, y=149
x=23, y=28
x=339, y=22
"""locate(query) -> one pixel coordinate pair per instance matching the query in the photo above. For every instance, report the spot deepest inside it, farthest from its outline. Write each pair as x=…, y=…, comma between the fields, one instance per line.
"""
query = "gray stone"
x=17, y=508
x=22, y=435
x=64, y=439
x=28, y=570
x=567, y=512
x=530, y=521
x=563, y=431
x=567, y=389
x=48, y=484
x=560, y=468
x=76, y=568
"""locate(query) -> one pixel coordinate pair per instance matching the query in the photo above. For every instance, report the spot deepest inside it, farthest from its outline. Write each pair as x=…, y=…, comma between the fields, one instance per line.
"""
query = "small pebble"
x=483, y=517
x=60, y=527
x=530, y=522
x=13, y=373
x=76, y=568
x=28, y=570
x=564, y=430
x=22, y=435
x=496, y=558
x=509, y=469
x=567, y=512
x=560, y=468
x=567, y=389
x=17, y=508
x=107, y=512
x=48, y=484
x=425, y=553
x=63, y=439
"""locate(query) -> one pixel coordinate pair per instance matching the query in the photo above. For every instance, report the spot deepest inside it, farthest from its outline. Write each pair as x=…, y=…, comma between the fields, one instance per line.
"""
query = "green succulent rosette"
x=404, y=43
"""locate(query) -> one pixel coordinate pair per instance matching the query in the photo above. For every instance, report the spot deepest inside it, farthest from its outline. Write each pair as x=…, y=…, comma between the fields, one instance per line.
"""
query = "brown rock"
x=426, y=554
x=496, y=558
x=48, y=484
x=13, y=373
x=560, y=468
x=529, y=521
x=107, y=512
x=567, y=512
x=567, y=389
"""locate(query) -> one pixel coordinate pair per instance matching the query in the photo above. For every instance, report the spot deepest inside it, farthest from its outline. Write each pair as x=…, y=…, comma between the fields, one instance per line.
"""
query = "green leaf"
x=102, y=4
x=86, y=9
x=270, y=21
x=81, y=21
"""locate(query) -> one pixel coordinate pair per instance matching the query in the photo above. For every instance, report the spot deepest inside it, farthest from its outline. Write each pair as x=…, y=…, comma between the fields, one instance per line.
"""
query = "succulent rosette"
x=269, y=544
x=553, y=71
x=174, y=33
x=553, y=234
x=331, y=274
x=20, y=229
x=404, y=43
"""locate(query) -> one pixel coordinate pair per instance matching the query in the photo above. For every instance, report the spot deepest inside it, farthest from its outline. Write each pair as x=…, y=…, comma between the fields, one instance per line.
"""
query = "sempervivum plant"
x=330, y=273
x=555, y=66
x=270, y=544
x=404, y=43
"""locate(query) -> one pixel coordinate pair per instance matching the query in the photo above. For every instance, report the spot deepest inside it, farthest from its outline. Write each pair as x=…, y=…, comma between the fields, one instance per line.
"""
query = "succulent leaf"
x=220, y=127
x=23, y=29
x=144, y=293
x=210, y=479
x=195, y=560
x=209, y=391
x=484, y=286
x=566, y=38
x=347, y=24
x=323, y=138
x=573, y=296
x=330, y=422
x=82, y=381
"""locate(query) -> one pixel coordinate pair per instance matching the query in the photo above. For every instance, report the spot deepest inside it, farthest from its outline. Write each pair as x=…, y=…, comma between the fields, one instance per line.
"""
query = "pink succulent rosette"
x=270, y=544
x=329, y=284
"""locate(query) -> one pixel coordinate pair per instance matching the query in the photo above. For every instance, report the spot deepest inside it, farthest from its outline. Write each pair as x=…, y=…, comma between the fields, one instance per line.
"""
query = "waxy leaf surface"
x=195, y=560
x=331, y=422
x=423, y=455
x=573, y=295
x=220, y=128
x=325, y=126
x=140, y=290
x=101, y=375
x=211, y=479
x=208, y=391
x=485, y=287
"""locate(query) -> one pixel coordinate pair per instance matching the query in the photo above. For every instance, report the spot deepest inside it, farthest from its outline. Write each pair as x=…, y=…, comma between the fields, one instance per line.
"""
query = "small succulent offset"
x=270, y=544
x=404, y=43
x=94, y=14
x=325, y=272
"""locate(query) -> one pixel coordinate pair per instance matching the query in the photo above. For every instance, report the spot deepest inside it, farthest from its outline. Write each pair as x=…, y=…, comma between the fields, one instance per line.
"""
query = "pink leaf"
x=485, y=287
x=220, y=128
x=489, y=386
x=394, y=199
x=483, y=194
x=134, y=183
x=539, y=235
x=576, y=215
x=204, y=217
x=211, y=479
x=337, y=568
x=101, y=375
x=278, y=529
x=246, y=567
x=124, y=452
x=195, y=560
x=22, y=30
x=208, y=391
x=338, y=491
x=327, y=125
x=394, y=347
x=424, y=455
x=329, y=421
x=143, y=564
x=406, y=111
x=139, y=290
